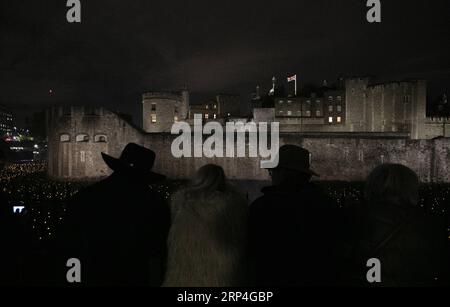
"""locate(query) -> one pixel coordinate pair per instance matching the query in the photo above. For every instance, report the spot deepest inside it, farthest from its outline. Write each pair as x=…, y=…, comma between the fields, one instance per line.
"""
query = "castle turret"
x=355, y=103
x=184, y=104
x=419, y=110
x=162, y=109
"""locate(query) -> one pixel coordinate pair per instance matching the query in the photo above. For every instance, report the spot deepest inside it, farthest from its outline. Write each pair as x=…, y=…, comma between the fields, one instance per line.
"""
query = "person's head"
x=392, y=184
x=135, y=162
x=293, y=166
x=208, y=179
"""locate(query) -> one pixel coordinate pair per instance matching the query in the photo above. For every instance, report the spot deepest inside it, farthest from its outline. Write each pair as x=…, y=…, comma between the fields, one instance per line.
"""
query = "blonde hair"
x=207, y=180
x=393, y=184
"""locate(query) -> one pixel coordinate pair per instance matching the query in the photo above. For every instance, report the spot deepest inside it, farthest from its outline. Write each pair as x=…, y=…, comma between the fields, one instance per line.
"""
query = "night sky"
x=122, y=48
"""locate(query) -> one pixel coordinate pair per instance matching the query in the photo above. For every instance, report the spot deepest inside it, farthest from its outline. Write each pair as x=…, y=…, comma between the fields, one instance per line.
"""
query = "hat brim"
x=311, y=172
x=306, y=171
x=118, y=166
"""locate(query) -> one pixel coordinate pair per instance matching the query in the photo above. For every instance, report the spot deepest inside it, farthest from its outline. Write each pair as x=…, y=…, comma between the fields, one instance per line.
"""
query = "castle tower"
x=161, y=109
x=355, y=103
x=184, y=104
x=419, y=110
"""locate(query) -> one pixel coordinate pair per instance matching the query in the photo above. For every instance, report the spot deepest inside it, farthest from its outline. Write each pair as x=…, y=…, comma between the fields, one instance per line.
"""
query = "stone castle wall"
x=335, y=156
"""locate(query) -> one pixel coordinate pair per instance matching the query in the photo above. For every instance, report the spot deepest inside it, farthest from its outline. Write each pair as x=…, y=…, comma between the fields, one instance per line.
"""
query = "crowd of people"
x=130, y=229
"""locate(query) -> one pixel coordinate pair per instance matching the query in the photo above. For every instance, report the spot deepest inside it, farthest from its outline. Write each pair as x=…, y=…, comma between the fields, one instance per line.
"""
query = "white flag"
x=293, y=78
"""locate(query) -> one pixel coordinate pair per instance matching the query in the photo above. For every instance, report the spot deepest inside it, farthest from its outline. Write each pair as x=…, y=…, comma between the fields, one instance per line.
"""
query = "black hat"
x=135, y=160
x=295, y=158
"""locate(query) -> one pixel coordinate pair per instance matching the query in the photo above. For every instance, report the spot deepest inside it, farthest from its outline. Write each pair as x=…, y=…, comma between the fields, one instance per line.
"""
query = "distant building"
x=6, y=120
x=349, y=129
x=312, y=110
x=441, y=107
x=162, y=109
x=359, y=106
x=223, y=107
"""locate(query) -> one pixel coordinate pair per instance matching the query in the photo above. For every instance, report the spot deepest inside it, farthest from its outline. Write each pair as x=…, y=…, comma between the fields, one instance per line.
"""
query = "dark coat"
x=118, y=229
x=292, y=236
x=13, y=242
x=411, y=246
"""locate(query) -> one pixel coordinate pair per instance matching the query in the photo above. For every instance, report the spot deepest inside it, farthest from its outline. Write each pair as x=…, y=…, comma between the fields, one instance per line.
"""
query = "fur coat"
x=207, y=239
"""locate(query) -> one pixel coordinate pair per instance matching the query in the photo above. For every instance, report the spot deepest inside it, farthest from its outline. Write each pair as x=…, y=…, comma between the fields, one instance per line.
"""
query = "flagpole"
x=295, y=91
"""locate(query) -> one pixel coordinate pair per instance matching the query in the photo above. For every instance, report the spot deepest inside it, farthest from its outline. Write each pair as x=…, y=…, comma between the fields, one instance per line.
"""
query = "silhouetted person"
x=11, y=237
x=13, y=241
x=411, y=247
x=118, y=227
x=292, y=226
x=207, y=238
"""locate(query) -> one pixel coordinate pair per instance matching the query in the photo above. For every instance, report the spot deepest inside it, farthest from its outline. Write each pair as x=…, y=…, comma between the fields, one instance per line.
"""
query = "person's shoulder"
x=316, y=191
x=264, y=201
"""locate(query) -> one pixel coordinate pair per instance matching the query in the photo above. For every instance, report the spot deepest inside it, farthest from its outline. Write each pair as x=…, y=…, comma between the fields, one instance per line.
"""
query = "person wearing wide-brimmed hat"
x=118, y=227
x=290, y=235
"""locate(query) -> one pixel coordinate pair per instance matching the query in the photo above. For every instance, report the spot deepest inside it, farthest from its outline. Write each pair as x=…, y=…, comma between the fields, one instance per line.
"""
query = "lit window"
x=215, y=116
x=153, y=106
x=330, y=108
x=308, y=113
x=101, y=138
x=215, y=106
x=64, y=138
x=207, y=107
x=289, y=101
x=153, y=118
x=338, y=108
x=280, y=102
x=339, y=98
x=330, y=119
x=338, y=119
x=289, y=113
x=82, y=138
x=206, y=116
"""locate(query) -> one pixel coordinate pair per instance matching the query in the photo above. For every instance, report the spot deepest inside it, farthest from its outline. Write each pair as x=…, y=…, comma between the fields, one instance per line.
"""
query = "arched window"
x=64, y=138
x=100, y=138
x=82, y=138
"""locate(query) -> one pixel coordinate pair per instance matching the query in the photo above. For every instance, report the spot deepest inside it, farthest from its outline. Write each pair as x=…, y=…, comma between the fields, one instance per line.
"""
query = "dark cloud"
x=123, y=48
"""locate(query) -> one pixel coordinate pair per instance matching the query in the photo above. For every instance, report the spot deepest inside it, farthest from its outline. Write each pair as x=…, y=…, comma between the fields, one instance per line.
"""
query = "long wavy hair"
x=392, y=184
x=206, y=242
x=207, y=180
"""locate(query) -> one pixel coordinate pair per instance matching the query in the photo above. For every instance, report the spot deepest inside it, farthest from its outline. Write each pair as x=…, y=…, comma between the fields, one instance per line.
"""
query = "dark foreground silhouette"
x=293, y=227
x=117, y=228
x=293, y=235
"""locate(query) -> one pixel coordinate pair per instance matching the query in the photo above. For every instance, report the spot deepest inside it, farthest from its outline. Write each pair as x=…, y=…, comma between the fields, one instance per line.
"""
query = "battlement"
x=356, y=81
x=392, y=85
x=75, y=111
x=444, y=120
x=162, y=95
